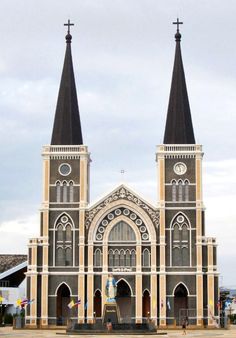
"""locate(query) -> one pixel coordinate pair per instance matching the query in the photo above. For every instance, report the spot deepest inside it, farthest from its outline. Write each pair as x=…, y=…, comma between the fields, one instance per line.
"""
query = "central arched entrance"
x=63, y=299
x=180, y=303
x=123, y=300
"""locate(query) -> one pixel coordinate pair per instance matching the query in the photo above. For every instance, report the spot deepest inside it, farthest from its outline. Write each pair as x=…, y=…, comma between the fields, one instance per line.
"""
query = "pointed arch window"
x=186, y=190
x=146, y=258
x=180, y=241
x=127, y=258
x=116, y=258
x=174, y=190
x=71, y=191
x=110, y=258
x=58, y=191
x=68, y=233
x=133, y=258
x=63, y=239
x=180, y=186
x=97, y=257
x=122, y=258
x=64, y=191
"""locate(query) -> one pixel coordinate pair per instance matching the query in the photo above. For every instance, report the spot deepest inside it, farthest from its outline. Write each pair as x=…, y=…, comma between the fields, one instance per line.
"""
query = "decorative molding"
x=125, y=194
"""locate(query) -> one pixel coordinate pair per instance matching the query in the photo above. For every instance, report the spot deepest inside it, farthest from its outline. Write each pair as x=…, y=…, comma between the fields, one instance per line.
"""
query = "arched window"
x=133, y=258
x=186, y=190
x=97, y=257
x=122, y=232
x=180, y=246
x=58, y=191
x=68, y=233
x=180, y=186
x=127, y=258
x=122, y=258
x=116, y=258
x=63, y=236
x=60, y=233
x=146, y=257
x=174, y=191
x=64, y=191
x=110, y=258
x=71, y=191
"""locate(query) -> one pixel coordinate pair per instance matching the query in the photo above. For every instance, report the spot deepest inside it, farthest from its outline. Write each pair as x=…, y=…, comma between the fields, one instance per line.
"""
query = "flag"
x=1, y=299
x=18, y=302
x=210, y=302
x=168, y=304
x=71, y=304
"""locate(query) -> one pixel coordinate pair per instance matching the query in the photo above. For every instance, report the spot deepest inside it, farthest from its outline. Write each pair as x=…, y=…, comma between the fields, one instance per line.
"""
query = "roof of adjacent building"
x=67, y=126
x=10, y=261
x=179, y=128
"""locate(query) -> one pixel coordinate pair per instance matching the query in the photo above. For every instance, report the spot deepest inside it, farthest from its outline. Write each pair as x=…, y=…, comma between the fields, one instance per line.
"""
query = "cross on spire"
x=177, y=22
x=68, y=24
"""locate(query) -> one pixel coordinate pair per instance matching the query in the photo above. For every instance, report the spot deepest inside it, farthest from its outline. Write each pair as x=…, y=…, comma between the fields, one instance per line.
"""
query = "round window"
x=65, y=169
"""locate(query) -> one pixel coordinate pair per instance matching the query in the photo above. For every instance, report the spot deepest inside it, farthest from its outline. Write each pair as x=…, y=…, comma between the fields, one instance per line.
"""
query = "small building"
x=12, y=281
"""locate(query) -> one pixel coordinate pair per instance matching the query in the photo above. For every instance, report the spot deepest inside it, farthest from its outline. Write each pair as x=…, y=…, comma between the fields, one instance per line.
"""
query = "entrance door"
x=63, y=299
x=98, y=304
x=180, y=303
x=146, y=305
x=123, y=299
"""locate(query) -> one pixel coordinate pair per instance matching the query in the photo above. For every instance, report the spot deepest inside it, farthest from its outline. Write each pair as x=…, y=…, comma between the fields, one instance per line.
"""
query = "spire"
x=67, y=127
x=179, y=128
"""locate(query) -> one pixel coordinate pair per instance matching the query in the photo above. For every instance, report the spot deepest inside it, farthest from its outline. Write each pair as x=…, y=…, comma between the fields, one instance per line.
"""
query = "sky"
x=123, y=52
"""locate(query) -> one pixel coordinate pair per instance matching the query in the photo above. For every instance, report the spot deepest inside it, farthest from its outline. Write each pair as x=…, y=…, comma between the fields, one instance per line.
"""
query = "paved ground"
x=8, y=332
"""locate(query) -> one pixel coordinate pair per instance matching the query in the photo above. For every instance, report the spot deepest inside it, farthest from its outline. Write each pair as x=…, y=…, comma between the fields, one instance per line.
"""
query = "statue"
x=111, y=289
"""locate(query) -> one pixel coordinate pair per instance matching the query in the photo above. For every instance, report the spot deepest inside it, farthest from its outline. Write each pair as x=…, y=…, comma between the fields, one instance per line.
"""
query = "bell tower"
x=57, y=257
x=183, y=246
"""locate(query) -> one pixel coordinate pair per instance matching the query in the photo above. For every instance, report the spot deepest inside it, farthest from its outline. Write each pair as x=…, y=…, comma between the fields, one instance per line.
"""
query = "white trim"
x=131, y=291
x=183, y=285
x=59, y=287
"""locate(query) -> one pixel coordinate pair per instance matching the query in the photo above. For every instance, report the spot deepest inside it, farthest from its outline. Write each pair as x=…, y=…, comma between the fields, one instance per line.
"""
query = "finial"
x=68, y=36
x=177, y=35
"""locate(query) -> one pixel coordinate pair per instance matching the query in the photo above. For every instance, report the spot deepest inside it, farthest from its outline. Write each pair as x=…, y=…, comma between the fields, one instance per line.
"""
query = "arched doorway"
x=98, y=304
x=123, y=299
x=146, y=305
x=63, y=299
x=180, y=303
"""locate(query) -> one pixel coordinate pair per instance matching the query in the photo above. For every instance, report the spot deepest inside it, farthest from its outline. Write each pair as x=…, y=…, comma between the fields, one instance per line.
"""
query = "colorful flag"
x=1, y=299
x=18, y=302
x=71, y=304
x=168, y=304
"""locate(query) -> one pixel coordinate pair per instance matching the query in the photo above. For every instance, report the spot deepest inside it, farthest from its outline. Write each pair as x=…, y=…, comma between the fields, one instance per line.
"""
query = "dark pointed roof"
x=67, y=126
x=179, y=128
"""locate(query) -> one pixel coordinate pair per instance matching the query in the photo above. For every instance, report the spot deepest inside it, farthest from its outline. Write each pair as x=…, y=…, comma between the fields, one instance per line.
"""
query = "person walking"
x=184, y=325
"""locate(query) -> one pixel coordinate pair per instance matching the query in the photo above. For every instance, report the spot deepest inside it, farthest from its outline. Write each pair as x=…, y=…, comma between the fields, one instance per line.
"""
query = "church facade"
x=164, y=266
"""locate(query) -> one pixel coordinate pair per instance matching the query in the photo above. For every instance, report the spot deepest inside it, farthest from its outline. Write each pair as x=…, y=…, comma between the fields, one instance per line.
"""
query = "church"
x=164, y=267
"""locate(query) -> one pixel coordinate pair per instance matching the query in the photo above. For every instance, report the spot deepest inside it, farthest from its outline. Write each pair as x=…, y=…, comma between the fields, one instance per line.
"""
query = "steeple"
x=179, y=128
x=67, y=126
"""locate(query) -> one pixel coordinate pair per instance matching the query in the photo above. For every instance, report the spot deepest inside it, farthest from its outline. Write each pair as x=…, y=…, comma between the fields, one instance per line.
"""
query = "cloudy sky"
x=123, y=53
